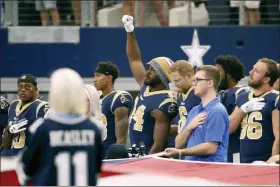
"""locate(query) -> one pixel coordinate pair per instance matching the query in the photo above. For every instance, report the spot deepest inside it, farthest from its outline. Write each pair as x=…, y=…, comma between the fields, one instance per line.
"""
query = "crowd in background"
x=68, y=12
x=208, y=100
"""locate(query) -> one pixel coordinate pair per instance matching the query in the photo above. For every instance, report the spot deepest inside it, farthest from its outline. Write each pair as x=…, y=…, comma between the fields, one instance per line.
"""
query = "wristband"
x=180, y=154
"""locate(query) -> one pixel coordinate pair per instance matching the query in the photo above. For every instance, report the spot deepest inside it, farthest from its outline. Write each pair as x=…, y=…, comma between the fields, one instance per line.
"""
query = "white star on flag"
x=195, y=52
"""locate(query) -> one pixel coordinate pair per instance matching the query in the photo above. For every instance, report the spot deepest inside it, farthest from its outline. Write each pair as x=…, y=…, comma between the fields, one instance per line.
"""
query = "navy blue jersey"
x=62, y=151
x=171, y=139
x=4, y=114
x=30, y=112
x=185, y=103
x=109, y=104
x=228, y=99
x=256, y=138
x=141, y=125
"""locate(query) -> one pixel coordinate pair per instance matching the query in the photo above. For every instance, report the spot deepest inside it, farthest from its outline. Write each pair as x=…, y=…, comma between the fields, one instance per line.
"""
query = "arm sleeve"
x=31, y=154
x=169, y=107
x=241, y=99
x=42, y=109
x=122, y=100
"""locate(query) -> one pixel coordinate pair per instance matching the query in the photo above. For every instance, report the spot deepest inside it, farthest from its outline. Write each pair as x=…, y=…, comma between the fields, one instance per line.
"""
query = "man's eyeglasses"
x=196, y=80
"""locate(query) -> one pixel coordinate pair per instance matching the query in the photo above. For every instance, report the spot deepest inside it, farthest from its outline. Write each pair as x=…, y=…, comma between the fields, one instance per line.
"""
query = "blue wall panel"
x=98, y=44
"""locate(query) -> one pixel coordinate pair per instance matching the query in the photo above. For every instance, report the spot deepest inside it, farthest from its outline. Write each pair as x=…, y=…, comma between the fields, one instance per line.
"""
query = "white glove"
x=128, y=23
x=18, y=127
x=253, y=105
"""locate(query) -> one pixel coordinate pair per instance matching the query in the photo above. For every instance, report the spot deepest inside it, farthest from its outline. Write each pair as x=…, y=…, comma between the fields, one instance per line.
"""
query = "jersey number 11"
x=63, y=162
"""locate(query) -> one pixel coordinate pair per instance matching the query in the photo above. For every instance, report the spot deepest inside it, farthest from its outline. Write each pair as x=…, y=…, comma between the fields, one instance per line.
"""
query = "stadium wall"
x=41, y=50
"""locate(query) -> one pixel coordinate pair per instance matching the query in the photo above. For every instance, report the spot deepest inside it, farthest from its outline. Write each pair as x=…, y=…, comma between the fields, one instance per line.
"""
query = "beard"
x=147, y=82
x=152, y=82
x=223, y=84
x=254, y=84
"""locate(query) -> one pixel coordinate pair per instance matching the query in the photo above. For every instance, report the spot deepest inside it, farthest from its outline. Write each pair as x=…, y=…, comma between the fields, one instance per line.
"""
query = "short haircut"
x=67, y=93
x=212, y=73
x=272, y=70
x=183, y=67
x=112, y=69
x=231, y=65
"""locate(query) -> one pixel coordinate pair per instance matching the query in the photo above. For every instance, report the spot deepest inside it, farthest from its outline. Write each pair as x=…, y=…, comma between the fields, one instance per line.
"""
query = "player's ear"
x=189, y=75
x=266, y=79
x=228, y=76
x=110, y=78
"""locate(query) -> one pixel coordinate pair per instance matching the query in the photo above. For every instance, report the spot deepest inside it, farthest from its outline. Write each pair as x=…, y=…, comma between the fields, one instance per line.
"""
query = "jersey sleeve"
x=122, y=99
x=169, y=106
x=232, y=104
x=217, y=125
x=42, y=109
x=241, y=99
x=277, y=103
x=242, y=90
x=29, y=159
x=12, y=106
x=175, y=120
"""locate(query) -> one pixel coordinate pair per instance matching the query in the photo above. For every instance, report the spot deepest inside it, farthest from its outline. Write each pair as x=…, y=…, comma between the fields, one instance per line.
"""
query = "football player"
x=231, y=71
x=258, y=113
x=22, y=113
x=174, y=122
x=155, y=106
x=64, y=149
x=116, y=104
x=276, y=85
x=204, y=136
x=182, y=75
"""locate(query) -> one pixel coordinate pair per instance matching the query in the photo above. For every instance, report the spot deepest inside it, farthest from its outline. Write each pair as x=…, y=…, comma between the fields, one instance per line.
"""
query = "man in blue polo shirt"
x=206, y=132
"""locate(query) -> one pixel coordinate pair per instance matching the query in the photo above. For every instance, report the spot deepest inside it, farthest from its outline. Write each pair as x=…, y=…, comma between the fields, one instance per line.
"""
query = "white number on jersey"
x=63, y=162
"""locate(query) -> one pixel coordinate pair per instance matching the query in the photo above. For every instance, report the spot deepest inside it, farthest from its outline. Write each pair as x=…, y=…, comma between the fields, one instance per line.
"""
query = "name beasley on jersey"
x=72, y=138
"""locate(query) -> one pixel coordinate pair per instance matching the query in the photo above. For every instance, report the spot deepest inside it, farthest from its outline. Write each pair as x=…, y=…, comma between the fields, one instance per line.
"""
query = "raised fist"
x=128, y=23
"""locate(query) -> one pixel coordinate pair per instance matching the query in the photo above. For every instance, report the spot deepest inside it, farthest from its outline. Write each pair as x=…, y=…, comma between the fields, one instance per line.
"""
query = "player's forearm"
x=275, y=147
x=132, y=48
x=235, y=119
x=203, y=149
x=182, y=138
x=7, y=139
x=121, y=129
x=173, y=131
x=157, y=147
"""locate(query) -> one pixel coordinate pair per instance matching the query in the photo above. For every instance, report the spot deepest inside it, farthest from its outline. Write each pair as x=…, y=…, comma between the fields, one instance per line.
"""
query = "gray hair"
x=66, y=92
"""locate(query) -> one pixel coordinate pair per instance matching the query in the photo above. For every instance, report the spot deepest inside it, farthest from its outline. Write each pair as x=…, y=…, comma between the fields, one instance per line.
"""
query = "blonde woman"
x=94, y=107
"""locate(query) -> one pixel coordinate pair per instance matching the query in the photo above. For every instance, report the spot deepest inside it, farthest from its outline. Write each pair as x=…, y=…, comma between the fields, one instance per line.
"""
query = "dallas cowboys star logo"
x=195, y=52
